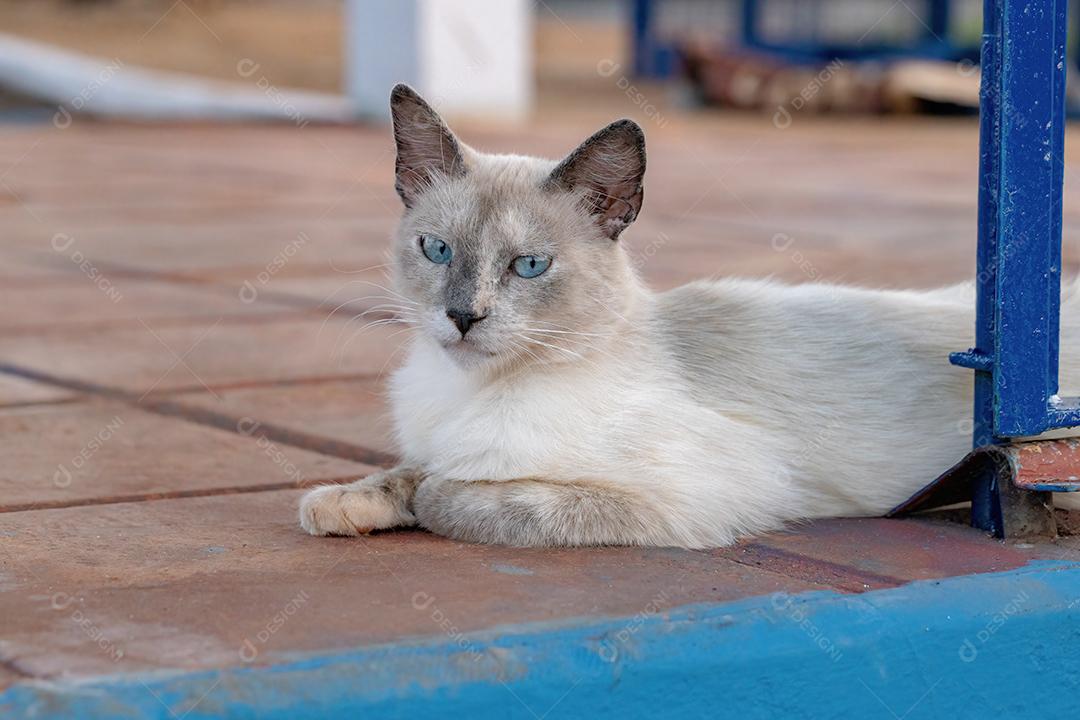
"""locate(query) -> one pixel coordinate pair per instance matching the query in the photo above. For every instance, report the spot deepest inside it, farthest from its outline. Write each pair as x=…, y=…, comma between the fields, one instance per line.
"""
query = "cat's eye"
x=435, y=249
x=529, y=266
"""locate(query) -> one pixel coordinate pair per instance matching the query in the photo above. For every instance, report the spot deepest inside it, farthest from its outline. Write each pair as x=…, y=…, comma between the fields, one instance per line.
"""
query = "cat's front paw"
x=354, y=509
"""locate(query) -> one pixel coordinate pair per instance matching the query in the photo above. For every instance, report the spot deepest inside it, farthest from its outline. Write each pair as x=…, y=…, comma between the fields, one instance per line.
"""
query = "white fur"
x=856, y=407
x=587, y=409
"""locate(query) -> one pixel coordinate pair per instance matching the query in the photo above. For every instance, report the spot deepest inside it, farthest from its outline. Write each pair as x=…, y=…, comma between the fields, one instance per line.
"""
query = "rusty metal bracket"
x=1018, y=478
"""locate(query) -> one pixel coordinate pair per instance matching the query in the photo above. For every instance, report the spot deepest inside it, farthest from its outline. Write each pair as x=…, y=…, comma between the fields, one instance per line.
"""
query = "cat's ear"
x=426, y=149
x=607, y=169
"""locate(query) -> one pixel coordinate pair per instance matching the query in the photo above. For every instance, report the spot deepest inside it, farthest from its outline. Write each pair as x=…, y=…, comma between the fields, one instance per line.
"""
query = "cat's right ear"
x=607, y=170
x=426, y=149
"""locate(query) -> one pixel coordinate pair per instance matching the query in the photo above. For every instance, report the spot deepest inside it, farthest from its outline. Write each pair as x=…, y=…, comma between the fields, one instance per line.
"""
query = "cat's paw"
x=354, y=509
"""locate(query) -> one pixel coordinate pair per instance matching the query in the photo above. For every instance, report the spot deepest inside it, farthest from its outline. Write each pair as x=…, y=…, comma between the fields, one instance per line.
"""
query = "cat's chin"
x=468, y=354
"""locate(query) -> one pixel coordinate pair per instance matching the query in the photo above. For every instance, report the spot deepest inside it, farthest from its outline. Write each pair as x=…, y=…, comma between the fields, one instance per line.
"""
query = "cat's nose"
x=464, y=319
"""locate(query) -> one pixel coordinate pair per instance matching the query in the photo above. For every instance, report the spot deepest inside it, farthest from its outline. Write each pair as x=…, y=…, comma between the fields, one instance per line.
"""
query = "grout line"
x=302, y=305
x=274, y=433
x=285, y=315
x=68, y=384
x=41, y=403
x=211, y=418
x=258, y=384
x=132, y=272
x=803, y=567
x=171, y=495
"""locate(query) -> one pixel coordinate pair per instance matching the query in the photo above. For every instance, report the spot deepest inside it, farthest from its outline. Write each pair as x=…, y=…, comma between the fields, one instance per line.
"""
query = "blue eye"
x=529, y=266
x=435, y=249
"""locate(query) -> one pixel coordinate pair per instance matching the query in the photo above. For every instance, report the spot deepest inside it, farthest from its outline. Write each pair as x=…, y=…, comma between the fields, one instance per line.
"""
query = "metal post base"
x=1010, y=487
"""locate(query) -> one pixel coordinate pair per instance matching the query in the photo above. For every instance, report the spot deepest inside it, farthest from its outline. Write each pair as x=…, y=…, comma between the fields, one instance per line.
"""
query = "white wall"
x=467, y=57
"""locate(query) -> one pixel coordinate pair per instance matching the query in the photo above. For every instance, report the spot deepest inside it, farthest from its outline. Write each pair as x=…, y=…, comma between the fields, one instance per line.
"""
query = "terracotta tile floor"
x=157, y=417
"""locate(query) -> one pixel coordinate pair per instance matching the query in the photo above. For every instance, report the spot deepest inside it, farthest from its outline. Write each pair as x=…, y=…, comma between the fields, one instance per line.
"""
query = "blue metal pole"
x=937, y=29
x=1031, y=115
x=748, y=23
x=982, y=509
x=643, y=37
x=1021, y=135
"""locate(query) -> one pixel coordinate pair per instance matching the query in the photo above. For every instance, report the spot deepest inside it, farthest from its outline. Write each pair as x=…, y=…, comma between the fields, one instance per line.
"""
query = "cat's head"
x=507, y=259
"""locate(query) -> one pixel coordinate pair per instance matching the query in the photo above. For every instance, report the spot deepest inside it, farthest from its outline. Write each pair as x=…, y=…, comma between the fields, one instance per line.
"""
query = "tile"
x=100, y=299
x=244, y=245
x=160, y=356
x=350, y=411
x=904, y=549
x=79, y=453
x=197, y=582
x=16, y=390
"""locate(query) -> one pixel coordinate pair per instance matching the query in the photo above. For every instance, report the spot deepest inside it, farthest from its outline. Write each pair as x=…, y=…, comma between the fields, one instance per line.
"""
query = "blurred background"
x=536, y=55
x=801, y=139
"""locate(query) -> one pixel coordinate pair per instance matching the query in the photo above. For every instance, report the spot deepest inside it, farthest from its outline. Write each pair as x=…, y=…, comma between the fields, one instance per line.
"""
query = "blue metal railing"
x=654, y=56
x=1022, y=133
x=931, y=42
x=1021, y=138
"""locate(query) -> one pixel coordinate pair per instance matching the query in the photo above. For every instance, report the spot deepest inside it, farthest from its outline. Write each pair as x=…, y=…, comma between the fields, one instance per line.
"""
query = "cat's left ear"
x=608, y=170
x=426, y=149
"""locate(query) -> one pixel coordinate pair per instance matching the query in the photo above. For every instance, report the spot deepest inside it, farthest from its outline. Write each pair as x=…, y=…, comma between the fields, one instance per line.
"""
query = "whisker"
x=391, y=318
x=398, y=309
x=533, y=340
x=352, y=300
x=531, y=354
x=569, y=332
x=391, y=298
x=601, y=304
x=373, y=323
x=586, y=343
x=381, y=287
x=356, y=272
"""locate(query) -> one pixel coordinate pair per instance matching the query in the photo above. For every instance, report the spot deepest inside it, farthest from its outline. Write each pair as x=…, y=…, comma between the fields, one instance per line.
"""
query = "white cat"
x=549, y=398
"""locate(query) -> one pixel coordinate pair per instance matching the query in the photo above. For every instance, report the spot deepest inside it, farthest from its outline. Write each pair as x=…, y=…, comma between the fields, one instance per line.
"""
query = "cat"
x=549, y=398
